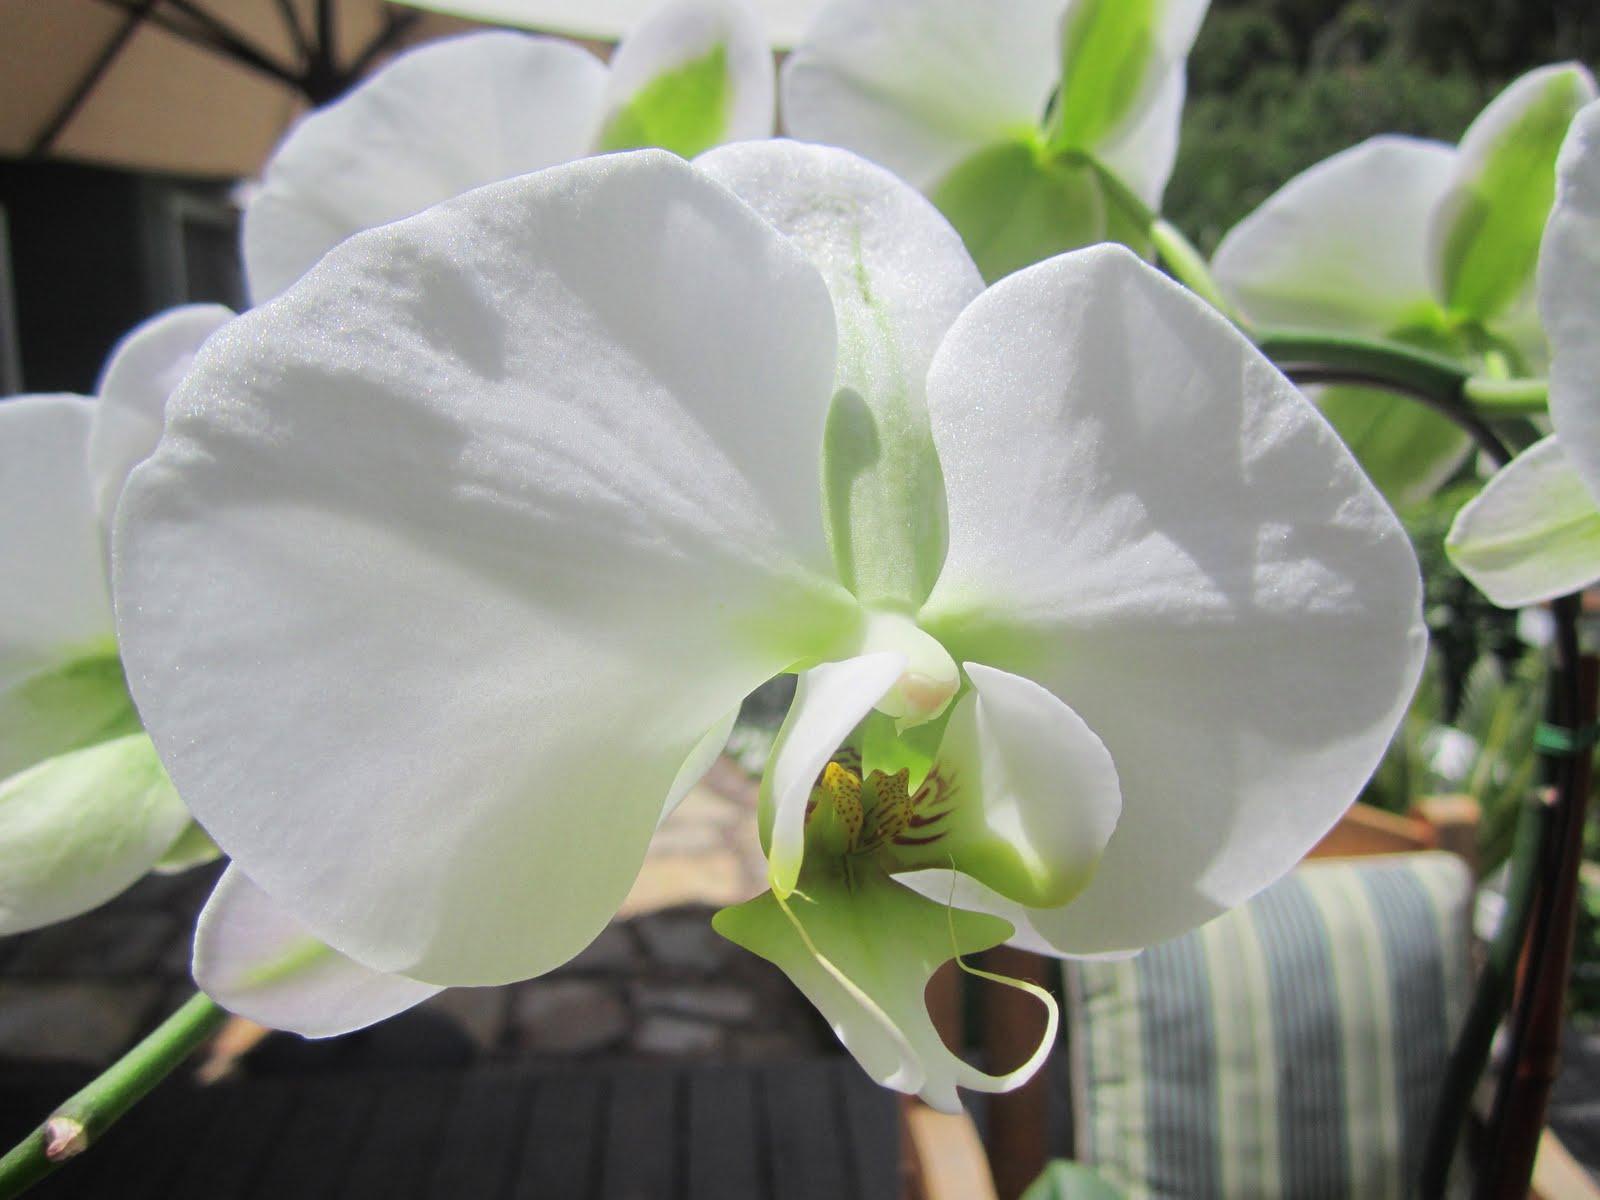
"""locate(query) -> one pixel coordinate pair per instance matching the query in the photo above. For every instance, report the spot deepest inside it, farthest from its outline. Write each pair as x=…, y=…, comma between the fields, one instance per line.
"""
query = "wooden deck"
x=809, y=1130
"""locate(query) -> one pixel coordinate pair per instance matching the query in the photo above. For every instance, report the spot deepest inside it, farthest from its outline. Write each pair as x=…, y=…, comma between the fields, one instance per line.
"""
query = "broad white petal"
x=254, y=959
x=1143, y=149
x=920, y=85
x=830, y=701
x=1147, y=519
x=696, y=74
x=1036, y=793
x=1343, y=245
x=448, y=559
x=1532, y=534
x=438, y=121
x=898, y=275
x=1569, y=297
x=54, y=605
x=1484, y=238
x=77, y=829
x=131, y=397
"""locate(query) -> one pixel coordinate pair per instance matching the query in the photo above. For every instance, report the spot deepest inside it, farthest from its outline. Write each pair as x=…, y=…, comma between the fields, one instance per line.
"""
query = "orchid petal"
x=1569, y=298
x=77, y=829
x=1148, y=520
x=1122, y=72
x=697, y=73
x=863, y=952
x=921, y=85
x=1407, y=450
x=449, y=558
x=898, y=275
x=1532, y=534
x=254, y=959
x=1034, y=793
x=131, y=397
x=1484, y=240
x=694, y=768
x=1341, y=245
x=60, y=682
x=436, y=122
x=830, y=701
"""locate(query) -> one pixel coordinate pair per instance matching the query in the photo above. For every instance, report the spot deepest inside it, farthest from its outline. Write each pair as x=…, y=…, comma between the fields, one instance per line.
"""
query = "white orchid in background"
x=457, y=114
x=85, y=808
x=1032, y=124
x=1534, y=531
x=456, y=561
x=1421, y=242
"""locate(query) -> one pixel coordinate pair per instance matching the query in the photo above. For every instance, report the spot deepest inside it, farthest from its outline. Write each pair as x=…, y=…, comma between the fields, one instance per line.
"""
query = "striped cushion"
x=1290, y=1048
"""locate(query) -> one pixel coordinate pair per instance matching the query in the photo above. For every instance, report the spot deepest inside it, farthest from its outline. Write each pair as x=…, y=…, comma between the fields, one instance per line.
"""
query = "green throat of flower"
x=852, y=821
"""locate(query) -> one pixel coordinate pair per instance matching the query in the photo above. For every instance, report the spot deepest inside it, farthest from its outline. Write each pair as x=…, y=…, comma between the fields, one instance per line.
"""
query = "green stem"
x=1508, y=397
x=1188, y=266
x=82, y=1120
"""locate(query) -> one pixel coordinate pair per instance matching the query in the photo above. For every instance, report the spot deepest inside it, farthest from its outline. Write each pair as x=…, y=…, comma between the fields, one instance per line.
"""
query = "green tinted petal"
x=1409, y=451
x=77, y=829
x=83, y=701
x=1487, y=230
x=684, y=109
x=191, y=848
x=863, y=951
x=1107, y=49
x=1014, y=205
x=1532, y=534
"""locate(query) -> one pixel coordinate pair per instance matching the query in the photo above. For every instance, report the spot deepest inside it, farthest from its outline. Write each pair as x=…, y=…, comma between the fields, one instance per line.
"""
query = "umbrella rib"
x=291, y=22
x=208, y=34
x=137, y=13
x=395, y=26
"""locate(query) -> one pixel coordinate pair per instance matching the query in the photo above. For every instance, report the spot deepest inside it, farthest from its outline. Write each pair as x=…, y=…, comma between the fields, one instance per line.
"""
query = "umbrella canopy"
x=607, y=20
x=197, y=87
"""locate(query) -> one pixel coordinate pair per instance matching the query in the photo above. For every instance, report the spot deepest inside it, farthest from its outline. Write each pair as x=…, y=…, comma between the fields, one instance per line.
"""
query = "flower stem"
x=1508, y=397
x=83, y=1119
x=1187, y=265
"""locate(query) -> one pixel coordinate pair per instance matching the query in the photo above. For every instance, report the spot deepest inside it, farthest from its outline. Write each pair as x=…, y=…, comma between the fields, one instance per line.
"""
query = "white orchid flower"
x=456, y=114
x=85, y=808
x=1025, y=121
x=1533, y=533
x=1420, y=242
x=456, y=561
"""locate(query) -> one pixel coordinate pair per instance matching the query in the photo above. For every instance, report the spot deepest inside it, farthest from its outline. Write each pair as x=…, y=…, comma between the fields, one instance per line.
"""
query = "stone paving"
x=658, y=982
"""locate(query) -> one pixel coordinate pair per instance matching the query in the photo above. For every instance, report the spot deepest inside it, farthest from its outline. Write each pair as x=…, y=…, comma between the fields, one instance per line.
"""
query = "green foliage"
x=1070, y=1181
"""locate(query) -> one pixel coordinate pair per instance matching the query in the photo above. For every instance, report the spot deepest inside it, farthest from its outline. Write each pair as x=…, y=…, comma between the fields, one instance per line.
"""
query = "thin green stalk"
x=1508, y=397
x=1188, y=266
x=81, y=1121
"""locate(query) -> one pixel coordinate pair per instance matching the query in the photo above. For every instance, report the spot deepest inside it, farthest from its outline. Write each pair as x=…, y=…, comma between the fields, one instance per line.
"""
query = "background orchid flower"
x=1533, y=533
x=1030, y=123
x=457, y=114
x=607, y=19
x=1424, y=243
x=456, y=562
x=85, y=808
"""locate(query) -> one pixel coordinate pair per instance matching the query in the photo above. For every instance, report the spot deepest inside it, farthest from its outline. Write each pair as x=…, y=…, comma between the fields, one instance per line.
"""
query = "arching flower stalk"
x=1420, y=242
x=456, y=114
x=457, y=560
x=1533, y=533
x=85, y=808
x=1036, y=126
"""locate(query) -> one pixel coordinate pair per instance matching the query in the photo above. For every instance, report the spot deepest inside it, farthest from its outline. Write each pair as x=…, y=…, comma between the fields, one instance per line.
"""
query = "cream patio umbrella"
x=196, y=87
x=607, y=20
